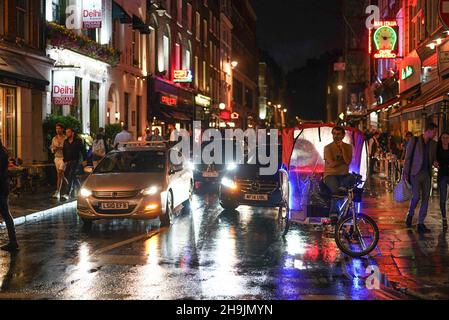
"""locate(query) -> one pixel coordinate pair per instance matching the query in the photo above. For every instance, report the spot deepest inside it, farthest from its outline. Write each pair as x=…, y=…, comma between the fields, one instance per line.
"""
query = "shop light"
x=438, y=41
x=431, y=45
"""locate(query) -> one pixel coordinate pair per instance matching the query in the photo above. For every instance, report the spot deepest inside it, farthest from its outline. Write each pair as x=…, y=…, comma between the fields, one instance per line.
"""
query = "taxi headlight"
x=85, y=193
x=151, y=191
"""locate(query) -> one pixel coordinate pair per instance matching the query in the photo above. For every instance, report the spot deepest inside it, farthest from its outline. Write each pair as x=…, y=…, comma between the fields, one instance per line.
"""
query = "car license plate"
x=256, y=197
x=213, y=174
x=114, y=206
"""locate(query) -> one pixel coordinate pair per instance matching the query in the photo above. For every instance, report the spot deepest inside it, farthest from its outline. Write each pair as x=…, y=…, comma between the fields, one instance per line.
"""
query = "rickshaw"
x=306, y=200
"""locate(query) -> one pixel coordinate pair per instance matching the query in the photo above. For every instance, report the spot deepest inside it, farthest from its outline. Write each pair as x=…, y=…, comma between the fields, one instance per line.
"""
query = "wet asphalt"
x=207, y=254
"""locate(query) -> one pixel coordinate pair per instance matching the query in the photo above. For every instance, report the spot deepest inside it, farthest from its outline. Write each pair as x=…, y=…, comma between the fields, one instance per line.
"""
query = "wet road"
x=207, y=254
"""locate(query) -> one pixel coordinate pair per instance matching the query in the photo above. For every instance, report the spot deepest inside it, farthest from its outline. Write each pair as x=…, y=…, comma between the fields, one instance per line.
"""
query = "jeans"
x=6, y=215
x=421, y=184
x=442, y=185
x=334, y=183
x=70, y=174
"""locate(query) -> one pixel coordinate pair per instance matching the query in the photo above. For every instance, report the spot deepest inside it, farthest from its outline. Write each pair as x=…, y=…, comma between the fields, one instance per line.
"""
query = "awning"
x=120, y=13
x=16, y=71
x=169, y=115
x=139, y=25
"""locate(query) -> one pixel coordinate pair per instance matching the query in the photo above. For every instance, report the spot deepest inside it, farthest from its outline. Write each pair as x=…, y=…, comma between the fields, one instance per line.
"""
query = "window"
x=179, y=13
x=126, y=116
x=249, y=98
x=8, y=129
x=189, y=17
x=2, y=17
x=94, y=107
x=138, y=111
x=197, y=72
x=115, y=37
x=21, y=19
x=136, y=49
x=205, y=31
x=187, y=60
x=177, y=56
x=198, y=26
x=58, y=11
x=166, y=44
x=204, y=76
x=76, y=110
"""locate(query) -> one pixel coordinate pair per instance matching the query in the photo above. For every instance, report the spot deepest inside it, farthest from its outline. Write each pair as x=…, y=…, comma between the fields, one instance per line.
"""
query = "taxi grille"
x=254, y=186
x=115, y=194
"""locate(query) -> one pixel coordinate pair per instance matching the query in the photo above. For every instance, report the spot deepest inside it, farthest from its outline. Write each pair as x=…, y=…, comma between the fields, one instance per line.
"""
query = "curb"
x=36, y=216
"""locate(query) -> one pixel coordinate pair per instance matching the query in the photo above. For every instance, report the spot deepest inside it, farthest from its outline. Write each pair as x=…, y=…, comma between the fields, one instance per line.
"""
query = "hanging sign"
x=384, y=39
x=92, y=14
x=63, y=91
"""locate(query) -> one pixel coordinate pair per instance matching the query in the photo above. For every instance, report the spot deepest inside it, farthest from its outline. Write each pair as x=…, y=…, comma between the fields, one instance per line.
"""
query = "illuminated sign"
x=384, y=40
x=407, y=72
x=169, y=101
x=92, y=14
x=182, y=76
x=235, y=116
x=202, y=101
x=63, y=90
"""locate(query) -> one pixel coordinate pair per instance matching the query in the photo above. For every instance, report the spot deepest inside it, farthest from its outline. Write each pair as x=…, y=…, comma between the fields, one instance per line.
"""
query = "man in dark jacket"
x=12, y=246
x=73, y=150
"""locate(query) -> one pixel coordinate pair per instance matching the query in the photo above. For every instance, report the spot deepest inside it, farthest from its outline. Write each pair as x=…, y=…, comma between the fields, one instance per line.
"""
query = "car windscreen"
x=132, y=162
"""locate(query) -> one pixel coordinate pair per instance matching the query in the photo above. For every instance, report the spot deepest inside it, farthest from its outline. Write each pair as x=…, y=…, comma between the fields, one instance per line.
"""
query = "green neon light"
x=407, y=72
x=394, y=37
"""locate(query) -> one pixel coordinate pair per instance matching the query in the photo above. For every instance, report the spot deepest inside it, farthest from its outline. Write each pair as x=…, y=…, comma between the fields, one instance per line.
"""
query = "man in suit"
x=12, y=246
x=419, y=160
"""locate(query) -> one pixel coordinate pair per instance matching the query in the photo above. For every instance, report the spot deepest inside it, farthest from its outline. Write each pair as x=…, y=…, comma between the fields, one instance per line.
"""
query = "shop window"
x=8, y=129
x=94, y=107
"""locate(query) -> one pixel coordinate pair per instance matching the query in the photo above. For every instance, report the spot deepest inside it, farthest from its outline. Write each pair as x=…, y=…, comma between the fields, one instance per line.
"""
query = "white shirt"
x=123, y=136
x=174, y=136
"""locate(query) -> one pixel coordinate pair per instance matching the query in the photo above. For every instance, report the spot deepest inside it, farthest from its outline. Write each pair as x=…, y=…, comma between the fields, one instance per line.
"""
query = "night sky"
x=294, y=30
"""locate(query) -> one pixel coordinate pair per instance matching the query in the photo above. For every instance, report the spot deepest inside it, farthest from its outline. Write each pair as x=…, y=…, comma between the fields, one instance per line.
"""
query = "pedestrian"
x=98, y=149
x=373, y=151
x=420, y=156
x=12, y=246
x=73, y=151
x=337, y=157
x=173, y=133
x=156, y=137
x=123, y=136
x=148, y=135
x=56, y=148
x=443, y=173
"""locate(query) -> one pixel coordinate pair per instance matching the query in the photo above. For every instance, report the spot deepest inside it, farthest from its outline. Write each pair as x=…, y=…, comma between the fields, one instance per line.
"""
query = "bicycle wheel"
x=357, y=239
x=284, y=219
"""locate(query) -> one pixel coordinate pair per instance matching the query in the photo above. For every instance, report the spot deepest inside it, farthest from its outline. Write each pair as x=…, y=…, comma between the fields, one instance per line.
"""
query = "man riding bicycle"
x=337, y=157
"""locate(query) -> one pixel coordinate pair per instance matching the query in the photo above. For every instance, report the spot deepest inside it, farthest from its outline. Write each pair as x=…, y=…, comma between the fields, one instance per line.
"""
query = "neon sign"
x=169, y=101
x=182, y=76
x=384, y=41
x=407, y=72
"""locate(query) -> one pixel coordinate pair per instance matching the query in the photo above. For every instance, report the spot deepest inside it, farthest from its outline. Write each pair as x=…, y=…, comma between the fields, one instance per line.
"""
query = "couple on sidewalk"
x=423, y=153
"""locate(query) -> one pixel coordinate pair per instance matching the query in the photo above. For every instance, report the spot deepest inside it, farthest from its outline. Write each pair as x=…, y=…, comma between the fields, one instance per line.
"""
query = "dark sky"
x=294, y=30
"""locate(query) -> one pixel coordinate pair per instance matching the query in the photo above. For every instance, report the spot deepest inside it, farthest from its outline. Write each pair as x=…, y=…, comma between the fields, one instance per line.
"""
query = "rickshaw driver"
x=337, y=157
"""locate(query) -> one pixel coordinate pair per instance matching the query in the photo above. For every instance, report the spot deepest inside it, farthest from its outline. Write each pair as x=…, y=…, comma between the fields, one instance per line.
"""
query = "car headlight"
x=191, y=166
x=85, y=193
x=151, y=191
x=228, y=183
x=231, y=166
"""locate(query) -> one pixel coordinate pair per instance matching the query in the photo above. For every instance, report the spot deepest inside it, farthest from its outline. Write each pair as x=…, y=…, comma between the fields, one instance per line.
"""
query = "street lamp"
x=234, y=64
x=222, y=106
x=340, y=87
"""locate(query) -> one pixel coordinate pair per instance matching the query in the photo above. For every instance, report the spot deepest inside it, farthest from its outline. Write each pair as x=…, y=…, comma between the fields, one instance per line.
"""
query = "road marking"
x=129, y=241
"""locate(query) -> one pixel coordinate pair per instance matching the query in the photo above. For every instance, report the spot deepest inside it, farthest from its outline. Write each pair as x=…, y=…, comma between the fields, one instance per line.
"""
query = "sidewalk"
x=31, y=206
x=412, y=263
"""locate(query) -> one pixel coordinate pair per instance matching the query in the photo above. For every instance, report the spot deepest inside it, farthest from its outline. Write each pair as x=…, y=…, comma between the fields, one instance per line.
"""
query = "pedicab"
x=306, y=200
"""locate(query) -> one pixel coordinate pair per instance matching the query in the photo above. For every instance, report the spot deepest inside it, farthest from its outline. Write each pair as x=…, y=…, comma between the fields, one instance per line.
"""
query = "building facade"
x=24, y=73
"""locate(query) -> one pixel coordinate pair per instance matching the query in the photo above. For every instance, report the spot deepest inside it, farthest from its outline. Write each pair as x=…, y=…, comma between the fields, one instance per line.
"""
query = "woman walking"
x=443, y=173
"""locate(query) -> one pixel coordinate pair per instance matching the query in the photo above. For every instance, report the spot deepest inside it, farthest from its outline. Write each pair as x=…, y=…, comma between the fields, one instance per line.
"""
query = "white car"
x=138, y=181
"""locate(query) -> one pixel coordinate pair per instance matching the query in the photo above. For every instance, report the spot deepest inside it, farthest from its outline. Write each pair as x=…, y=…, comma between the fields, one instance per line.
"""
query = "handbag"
x=403, y=190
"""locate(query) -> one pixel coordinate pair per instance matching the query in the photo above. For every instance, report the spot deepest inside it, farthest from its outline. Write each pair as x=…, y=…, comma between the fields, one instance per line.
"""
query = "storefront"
x=23, y=83
x=90, y=78
x=203, y=110
x=169, y=104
